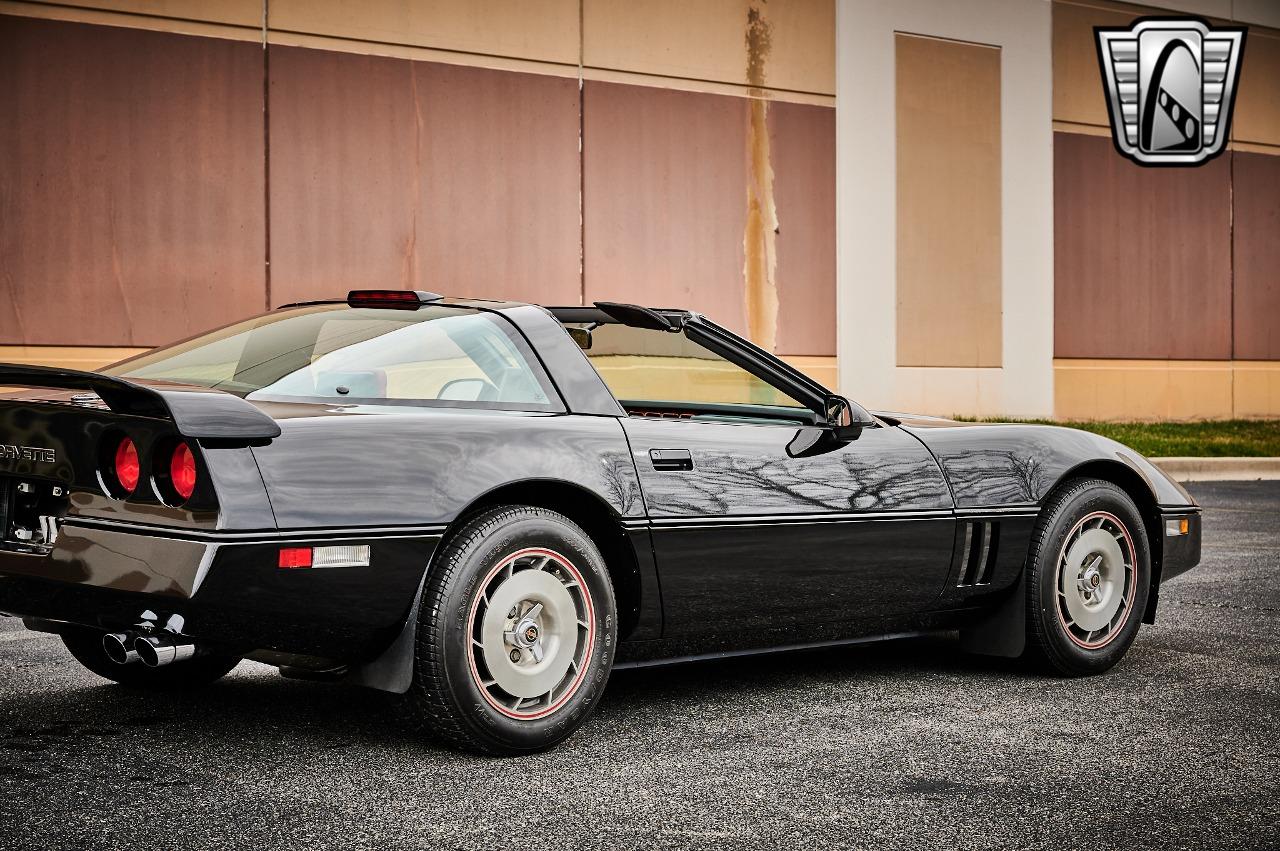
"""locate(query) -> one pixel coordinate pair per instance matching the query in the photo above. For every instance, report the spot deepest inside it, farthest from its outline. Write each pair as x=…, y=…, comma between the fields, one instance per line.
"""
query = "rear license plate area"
x=30, y=511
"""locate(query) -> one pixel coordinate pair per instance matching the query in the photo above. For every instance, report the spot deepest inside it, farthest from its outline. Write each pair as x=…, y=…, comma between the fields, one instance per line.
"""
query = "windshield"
x=432, y=355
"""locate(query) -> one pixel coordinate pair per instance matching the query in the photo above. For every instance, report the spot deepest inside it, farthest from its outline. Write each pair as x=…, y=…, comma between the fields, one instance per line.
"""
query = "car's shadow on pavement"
x=273, y=713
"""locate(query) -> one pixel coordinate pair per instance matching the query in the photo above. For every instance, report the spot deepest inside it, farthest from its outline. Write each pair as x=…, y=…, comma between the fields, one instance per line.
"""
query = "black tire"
x=1054, y=641
x=86, y=646
x=448, y=696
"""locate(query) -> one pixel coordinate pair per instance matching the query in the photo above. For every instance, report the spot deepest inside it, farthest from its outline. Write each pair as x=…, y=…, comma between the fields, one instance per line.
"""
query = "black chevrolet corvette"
x=488, y=506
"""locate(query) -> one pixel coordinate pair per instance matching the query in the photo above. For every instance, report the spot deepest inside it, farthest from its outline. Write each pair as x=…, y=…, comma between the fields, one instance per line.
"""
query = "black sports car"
x=487, y=506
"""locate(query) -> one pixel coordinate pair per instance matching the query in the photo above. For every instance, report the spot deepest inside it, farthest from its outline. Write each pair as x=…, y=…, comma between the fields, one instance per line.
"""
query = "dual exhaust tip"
x=154, y=651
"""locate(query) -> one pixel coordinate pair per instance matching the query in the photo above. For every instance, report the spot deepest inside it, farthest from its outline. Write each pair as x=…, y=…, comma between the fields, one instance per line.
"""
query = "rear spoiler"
x=200, y=413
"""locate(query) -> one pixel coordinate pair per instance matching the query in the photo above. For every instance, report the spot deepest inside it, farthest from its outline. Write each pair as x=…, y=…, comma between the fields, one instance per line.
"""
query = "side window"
x=645, y=366
x=466, y=358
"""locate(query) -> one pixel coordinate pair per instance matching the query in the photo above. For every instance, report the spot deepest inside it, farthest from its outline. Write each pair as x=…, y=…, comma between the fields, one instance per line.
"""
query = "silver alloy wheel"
x=1096, y=580
x=530, y=633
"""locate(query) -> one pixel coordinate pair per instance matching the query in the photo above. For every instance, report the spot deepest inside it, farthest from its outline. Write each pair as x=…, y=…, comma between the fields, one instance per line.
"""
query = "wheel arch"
x=392, y=671
x=596, y=517
x=1137, y=489
x=1002, y=631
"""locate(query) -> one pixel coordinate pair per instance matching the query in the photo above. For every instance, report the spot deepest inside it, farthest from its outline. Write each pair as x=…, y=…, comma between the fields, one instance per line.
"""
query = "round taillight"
x=128, y=469
x=182, y=471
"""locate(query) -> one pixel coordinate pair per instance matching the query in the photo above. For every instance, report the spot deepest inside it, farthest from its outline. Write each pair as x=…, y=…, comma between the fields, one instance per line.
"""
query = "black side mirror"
x=847, y=419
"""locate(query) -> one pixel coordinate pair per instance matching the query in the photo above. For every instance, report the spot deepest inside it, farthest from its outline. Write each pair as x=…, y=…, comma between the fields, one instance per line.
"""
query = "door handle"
x=671, y=459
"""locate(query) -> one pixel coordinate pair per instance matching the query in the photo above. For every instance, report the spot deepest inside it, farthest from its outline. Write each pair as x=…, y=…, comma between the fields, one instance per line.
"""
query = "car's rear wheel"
x=86, y=646
x=1089, y=574
x=516, y=633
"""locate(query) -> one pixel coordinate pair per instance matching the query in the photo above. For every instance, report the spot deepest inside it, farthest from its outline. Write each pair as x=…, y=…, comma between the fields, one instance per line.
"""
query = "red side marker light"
x=127, y=467
x=182, y=471
x=292, y=557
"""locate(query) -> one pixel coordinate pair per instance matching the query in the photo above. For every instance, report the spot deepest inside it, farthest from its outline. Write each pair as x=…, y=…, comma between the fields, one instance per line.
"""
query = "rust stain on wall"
x=762, y=217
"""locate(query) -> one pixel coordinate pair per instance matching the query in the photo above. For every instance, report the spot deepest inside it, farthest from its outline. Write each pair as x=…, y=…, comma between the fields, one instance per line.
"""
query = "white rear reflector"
x=345, y=556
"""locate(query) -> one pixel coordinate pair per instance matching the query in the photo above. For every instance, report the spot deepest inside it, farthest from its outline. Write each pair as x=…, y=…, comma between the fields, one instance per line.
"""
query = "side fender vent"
x=978, y=553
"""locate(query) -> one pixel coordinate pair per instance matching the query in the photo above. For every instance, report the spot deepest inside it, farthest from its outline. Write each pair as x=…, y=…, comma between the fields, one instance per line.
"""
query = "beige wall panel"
x=247, y=13
x=1257, y=389
x=1257, y=111
x=546, y=30
x=802, y=144
x=1142, y=390
x=131, y=184
x=948, y=210
x=794, y=43
x=1078, y=95
x=664, y=199
x=87, y=358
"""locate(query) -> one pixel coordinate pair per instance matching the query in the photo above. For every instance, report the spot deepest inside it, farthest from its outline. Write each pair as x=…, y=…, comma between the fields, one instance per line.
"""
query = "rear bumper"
x=226, y=586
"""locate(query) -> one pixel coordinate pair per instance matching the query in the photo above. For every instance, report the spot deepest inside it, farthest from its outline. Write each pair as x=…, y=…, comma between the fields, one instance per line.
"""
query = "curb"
x=1220, y=469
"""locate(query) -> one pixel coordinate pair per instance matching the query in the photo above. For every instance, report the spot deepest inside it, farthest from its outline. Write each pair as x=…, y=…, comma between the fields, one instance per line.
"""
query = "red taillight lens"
x=127, y=467
x=182, y=471
x=295, y=557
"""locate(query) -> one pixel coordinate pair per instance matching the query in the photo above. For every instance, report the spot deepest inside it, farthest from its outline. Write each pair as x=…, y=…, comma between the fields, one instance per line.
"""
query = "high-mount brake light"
x=182, y=471
x=127, y=467
x=391, y=298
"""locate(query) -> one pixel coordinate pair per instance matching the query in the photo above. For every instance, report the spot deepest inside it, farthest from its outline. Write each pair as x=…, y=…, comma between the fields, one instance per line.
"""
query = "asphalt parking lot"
x=908, y=744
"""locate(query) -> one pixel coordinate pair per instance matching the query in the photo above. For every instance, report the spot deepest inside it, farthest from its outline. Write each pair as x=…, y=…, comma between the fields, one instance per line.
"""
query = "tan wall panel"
x=708, y=40
x=545, y=31
x=948, y=210
x=665, y=199
x=1142, y=260
x=1256, y=233
x=1143, y=390
x=1257, y=110
x=802, y=144
x=67, y=357
x=392, y=173
x=132, y=191
x=1078, y=94
x=1257, y=389
x=246, y=13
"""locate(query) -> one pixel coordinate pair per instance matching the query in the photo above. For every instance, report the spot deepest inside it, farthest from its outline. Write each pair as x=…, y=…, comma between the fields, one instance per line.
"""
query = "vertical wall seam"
x=266, y=159
x=582, y=161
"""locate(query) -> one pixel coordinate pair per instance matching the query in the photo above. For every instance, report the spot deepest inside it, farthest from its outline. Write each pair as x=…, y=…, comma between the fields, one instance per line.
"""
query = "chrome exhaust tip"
x=155, y=651
x=119, y=647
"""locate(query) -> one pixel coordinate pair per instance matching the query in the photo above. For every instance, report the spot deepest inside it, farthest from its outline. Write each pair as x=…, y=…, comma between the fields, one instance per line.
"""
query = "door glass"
x=642, y=365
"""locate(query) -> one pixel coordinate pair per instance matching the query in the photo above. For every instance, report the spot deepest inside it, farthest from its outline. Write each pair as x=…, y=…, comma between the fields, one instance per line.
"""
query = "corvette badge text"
x=1170, y=85
x=10, y=452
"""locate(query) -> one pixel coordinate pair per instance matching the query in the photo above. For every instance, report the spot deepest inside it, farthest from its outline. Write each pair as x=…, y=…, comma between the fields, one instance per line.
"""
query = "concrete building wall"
x=169, y=165
x=976, y=131
x=960, y=233
x=1166, y=281
x=918, y=282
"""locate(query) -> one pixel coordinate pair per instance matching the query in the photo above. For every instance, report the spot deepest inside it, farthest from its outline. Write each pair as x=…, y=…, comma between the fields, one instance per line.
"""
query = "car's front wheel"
x=1089, y=574
x=516, y=633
